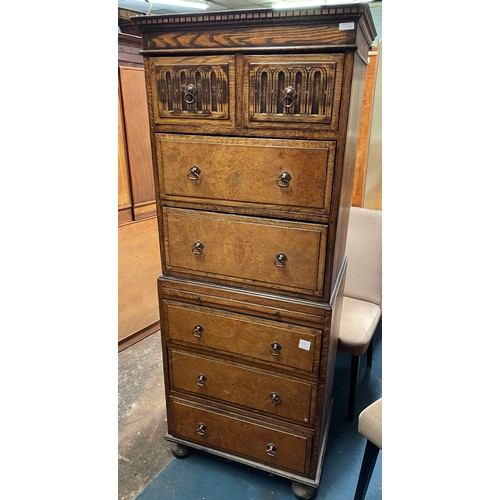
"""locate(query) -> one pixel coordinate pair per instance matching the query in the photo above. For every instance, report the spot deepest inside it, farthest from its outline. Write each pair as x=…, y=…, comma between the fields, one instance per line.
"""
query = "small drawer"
x=192, y=89
x=292, y=90
x=265, y=253
x=288, y=175
x=226, y=432
x=281, y=344
x=247, y=387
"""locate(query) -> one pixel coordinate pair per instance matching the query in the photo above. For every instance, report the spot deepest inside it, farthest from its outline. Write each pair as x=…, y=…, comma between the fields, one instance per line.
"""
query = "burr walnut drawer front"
x=241, y=385
x=226, y=432
x=254, y=173
x=292, y=90
x=267, y=253
x=192, y=90
x=275, y=343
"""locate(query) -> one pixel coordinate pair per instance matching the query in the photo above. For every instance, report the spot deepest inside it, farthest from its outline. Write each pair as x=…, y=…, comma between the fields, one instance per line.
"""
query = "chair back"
x=364, y=254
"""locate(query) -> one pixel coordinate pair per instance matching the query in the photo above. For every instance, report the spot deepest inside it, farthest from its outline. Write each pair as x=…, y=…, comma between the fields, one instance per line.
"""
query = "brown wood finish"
x=243, y=385
x=228, y=432
x=124, y=194
x=246, y=336
x=315, y=82
x=233, y=171
x=138, y=269
x=358, y=187
x=244, y=250
x=224, y=301
x=212, y=95
x=133, y=90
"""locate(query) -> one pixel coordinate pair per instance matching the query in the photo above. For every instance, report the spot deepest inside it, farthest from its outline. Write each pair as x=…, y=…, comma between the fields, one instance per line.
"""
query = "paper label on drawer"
x=305, y=344
x=346, y=26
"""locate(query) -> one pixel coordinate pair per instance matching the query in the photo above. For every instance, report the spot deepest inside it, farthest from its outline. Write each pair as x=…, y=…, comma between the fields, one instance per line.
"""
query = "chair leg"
x=367, y=466
x=352, y=386
x=369, y=354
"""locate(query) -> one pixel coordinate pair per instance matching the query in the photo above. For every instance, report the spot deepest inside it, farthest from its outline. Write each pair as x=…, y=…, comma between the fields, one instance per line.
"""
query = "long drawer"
x=270, y=253
x=276, y=343
x=287, y=175
x=276, y=447
x=242, y=385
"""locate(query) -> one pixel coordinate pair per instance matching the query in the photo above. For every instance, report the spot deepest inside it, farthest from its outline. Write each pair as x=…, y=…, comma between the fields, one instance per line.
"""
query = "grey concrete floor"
x=142, y=449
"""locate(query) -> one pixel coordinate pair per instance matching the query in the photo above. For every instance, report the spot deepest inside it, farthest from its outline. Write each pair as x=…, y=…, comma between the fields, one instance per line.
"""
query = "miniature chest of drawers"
x=254, y=119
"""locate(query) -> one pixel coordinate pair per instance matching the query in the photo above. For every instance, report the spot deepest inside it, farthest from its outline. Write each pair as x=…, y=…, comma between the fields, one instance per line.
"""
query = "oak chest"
x=254, y=119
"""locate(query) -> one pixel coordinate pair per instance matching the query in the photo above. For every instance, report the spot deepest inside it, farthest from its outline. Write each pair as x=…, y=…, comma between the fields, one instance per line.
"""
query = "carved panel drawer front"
x=281, y=174
x=276, y=447
x=259, y=252
x=275, y=343
x=290, y=90
x=192, y=88
x=248, y=387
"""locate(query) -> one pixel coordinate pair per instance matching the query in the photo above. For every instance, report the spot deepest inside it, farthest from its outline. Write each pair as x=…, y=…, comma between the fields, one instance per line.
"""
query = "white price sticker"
x=304, y=344
x=346, y=26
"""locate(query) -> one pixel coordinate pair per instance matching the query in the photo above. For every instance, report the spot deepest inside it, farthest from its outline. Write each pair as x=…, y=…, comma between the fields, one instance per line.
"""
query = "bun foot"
x=303, y=491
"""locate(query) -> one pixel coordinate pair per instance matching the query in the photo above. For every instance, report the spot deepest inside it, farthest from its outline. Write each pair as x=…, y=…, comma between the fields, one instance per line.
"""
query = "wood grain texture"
x=245, y=172
x=133, y=92
x=358, y=187
x=243, y=250
x=242, y=385
x=124, y=194
x=246, y=336
x=138, y=270
x=212, y=98
x=226, y=431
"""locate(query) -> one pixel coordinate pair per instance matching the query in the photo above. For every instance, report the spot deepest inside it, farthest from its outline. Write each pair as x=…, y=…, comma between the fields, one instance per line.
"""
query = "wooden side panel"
x=133, y=89
x=124, y=194
x=358, y=187
x=138, y=269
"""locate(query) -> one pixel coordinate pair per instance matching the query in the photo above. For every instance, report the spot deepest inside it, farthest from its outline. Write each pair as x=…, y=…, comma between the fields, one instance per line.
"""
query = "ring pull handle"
x=280, y=261
x=201, y=380
x=275, y=349
x=198, y=248
x=194, y=173
x=275, y=398
x=189, y=95
x=271, y=449
x=284, y=180
x=288, y=97
x=201, y=429
x=198, y=330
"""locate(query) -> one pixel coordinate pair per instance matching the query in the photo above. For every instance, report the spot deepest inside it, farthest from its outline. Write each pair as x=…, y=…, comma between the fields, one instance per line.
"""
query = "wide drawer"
x=241, y=385
x=293, y=90
x=192, y=89
x=226, y=432
x=254, y=251
x=288, y=175
x=280, y=344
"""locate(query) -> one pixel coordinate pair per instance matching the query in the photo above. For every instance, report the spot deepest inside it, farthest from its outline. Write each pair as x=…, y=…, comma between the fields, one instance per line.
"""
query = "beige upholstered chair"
x=370, y=426
x=362, y=305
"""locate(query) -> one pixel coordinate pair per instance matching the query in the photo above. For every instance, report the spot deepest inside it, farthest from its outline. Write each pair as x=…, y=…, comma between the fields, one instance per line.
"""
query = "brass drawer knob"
x=194, y=173
x=275, y=349
x=189, y=95
x=201, y=380
x=271, y=449
x=275, y=398
x=288, y=97
x=201, y=429
x=280, y=261
x=198, y=248
x=198, y=330
x=284, y=180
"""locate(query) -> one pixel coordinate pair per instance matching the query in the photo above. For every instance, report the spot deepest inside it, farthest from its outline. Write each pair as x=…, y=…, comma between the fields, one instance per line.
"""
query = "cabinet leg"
x=303, y=491
x=180, y=451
